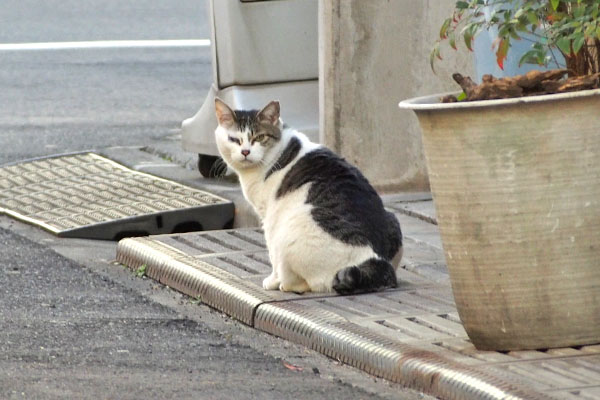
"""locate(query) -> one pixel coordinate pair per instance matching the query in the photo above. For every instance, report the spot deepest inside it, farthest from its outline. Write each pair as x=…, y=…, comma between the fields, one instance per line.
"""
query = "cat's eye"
x=235, y=140
x=260, y=138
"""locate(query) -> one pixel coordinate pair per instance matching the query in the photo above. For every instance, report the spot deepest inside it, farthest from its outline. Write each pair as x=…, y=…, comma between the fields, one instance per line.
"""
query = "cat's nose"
x=245, y=152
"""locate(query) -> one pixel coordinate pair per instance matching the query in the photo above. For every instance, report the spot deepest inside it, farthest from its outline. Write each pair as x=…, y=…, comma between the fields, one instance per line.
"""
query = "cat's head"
x=244, y=138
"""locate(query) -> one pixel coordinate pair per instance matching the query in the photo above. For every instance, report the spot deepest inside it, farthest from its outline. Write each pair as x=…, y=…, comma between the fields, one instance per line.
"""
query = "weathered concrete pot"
x=516, y=185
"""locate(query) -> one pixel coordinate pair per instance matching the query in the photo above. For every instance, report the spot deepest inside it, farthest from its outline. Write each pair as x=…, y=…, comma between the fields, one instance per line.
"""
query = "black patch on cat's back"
x=345, y=204
x=287, y=156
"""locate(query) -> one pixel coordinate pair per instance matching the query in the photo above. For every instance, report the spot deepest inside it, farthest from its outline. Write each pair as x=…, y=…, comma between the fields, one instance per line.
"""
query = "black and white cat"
x=324, y=224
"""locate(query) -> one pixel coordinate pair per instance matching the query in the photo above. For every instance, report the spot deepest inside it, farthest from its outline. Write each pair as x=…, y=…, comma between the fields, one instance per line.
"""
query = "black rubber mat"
x=89, y=196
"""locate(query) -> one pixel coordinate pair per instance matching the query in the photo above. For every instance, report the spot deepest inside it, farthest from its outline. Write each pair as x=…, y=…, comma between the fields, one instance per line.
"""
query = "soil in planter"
x=530, y=84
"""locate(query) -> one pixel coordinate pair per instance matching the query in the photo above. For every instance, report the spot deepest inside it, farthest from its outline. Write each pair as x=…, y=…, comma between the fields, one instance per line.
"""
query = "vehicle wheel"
x=211, y=166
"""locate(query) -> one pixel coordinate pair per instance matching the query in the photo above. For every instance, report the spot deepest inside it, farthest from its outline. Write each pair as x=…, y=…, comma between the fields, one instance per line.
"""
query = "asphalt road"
x=72, y=323
x=70, y=333
x=81, y=20
x=63, y=101
x=54, y=101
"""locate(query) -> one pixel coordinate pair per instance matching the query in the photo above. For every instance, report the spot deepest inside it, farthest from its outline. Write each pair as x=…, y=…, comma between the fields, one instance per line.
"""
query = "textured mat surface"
x=89, y=196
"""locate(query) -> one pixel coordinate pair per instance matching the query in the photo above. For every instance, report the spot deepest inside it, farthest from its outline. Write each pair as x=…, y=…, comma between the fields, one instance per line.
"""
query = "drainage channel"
x=410, y=335
x=89, y=196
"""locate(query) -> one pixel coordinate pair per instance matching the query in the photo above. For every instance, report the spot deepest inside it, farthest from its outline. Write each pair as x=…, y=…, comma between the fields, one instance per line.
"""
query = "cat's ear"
x=225, y=115
x=270, y=114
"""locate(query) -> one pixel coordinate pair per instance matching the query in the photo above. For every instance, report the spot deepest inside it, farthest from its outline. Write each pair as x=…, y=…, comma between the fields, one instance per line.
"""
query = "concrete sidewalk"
x=411, y=335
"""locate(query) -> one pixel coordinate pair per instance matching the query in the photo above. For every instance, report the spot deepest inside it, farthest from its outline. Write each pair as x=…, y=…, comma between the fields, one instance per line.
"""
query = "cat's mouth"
x=246, y=163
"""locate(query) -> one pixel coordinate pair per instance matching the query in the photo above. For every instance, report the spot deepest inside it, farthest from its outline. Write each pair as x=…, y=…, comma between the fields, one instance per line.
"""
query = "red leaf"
x=502, y=52
x=292, y=367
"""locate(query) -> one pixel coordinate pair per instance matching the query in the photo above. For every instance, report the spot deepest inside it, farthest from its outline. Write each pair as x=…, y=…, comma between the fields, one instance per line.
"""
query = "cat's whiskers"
x=262, y=162
x=275, y=165
x=218, y=169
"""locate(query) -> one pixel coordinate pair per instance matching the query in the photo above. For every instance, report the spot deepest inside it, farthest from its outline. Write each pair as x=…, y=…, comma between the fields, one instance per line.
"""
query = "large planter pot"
x=516, y=185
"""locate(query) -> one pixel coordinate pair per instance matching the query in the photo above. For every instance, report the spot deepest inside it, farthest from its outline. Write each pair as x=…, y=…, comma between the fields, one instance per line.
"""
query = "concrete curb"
x=213, y=286
x=401, y=363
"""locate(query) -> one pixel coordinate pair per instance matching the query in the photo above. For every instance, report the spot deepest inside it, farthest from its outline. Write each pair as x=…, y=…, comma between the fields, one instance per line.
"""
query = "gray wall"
x=373, y=54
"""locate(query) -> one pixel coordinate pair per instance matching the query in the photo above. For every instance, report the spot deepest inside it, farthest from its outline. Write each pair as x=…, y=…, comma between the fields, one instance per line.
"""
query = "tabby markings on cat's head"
x=245, y=137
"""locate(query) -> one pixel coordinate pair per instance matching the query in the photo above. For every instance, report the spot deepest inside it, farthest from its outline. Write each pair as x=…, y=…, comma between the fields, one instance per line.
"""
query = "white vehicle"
x=262, y=50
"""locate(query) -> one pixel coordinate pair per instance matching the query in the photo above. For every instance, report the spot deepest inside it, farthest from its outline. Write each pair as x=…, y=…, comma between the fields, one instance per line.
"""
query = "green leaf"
x=514, y=35
x=461, y=97
x=452, y=41
x=533, y=18
x=141, y=271
x=462, y=5
x=536, y=55
x=468, y=33
x=578, y=42
x=590, y=31
x=444, y=28
x=555, y=4
x=564, y=45
x=435, y=53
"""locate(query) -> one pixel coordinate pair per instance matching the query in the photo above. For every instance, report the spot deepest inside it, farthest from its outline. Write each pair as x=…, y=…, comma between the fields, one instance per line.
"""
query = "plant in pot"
x=516, y=181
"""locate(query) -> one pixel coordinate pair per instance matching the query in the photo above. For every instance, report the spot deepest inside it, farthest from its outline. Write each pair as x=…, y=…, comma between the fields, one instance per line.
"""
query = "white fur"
x=304, y=256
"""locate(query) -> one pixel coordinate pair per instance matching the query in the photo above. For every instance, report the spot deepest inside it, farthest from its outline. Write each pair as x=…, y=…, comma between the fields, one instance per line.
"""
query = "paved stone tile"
x=420, y=313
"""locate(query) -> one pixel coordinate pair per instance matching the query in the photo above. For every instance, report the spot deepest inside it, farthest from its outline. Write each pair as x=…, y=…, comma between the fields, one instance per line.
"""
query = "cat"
x=325, y=227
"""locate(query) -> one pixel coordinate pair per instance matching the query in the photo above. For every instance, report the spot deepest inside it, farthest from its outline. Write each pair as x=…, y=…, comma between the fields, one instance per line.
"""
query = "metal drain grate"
x=391, y=359
x=89, y=196
x=194, y=277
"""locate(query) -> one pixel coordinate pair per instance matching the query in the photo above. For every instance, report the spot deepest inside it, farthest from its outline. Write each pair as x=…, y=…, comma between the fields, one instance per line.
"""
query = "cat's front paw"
x=299, y=287
x=271, y=283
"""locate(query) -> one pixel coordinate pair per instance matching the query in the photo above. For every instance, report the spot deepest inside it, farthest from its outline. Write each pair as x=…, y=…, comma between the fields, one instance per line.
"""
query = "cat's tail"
x=371, y=275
